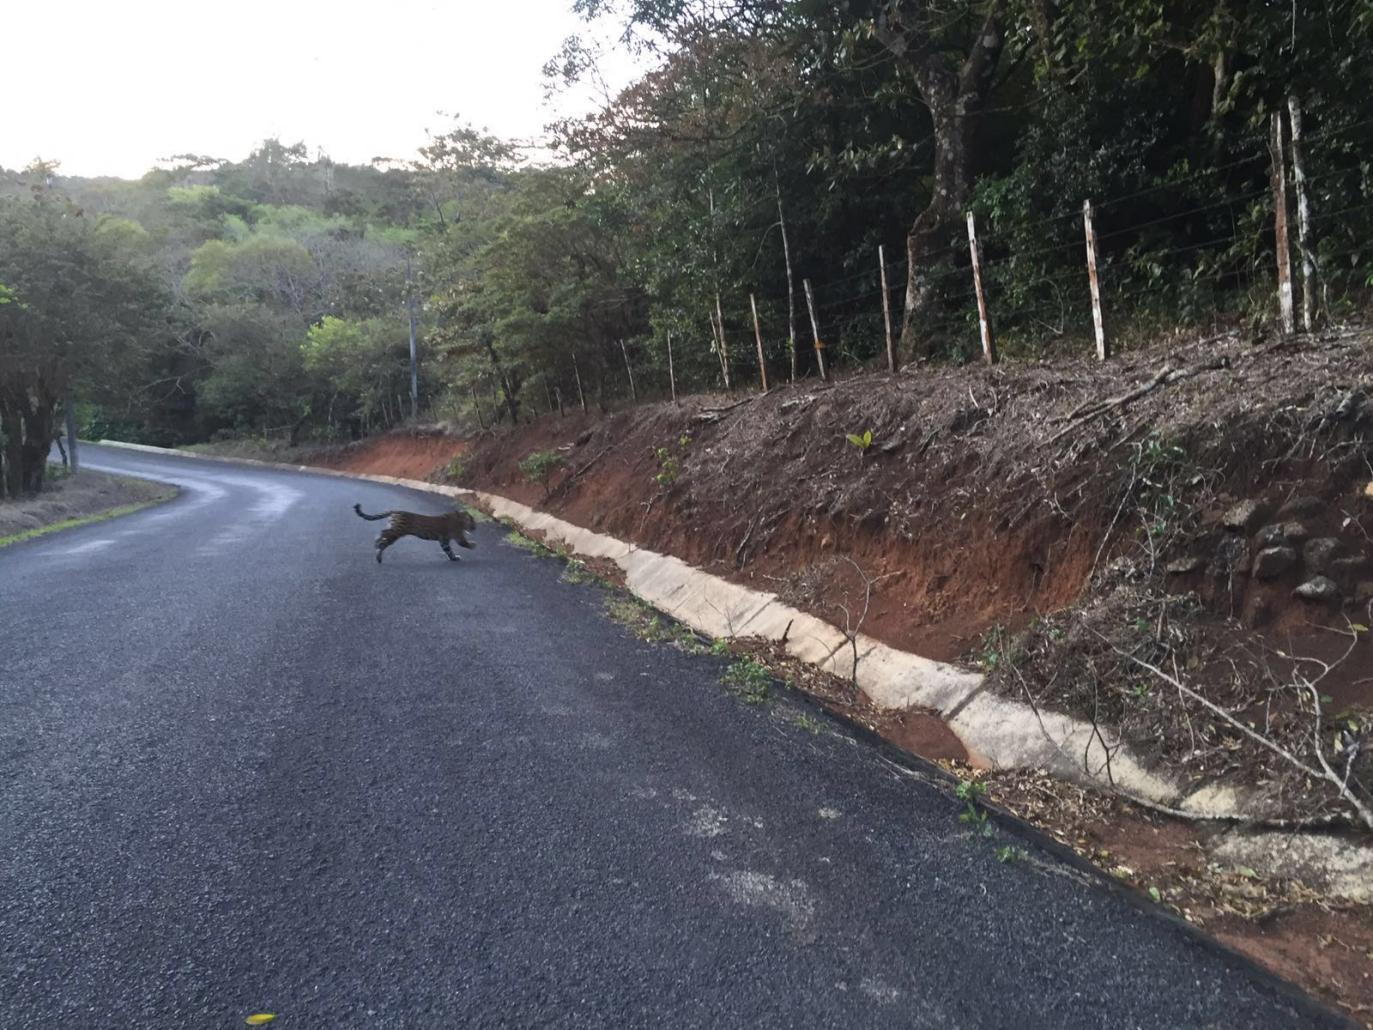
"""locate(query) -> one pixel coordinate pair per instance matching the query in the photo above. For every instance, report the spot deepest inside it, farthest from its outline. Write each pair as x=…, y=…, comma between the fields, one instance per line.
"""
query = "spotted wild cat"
x=452, y=526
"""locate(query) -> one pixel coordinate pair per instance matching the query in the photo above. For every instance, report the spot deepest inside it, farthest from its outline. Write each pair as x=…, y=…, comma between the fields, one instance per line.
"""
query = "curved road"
x=243, y=768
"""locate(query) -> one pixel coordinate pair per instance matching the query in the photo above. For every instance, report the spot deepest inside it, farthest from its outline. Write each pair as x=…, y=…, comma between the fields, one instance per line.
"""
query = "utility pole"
x=414, y=357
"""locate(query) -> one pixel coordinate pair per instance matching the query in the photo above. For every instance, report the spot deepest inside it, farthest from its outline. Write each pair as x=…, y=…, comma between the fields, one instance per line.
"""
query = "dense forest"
x=768, y=151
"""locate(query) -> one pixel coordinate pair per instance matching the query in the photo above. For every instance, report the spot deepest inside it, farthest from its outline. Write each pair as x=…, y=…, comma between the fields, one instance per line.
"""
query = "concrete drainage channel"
x=997, y=732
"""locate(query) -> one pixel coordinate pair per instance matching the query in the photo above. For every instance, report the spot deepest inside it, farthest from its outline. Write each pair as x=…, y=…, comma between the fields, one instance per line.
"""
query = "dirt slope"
x=410, y=455
x=1056, y=523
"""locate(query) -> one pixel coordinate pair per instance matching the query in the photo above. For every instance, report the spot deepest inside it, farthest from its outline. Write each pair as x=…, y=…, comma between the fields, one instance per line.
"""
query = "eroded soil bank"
x=1204, y=510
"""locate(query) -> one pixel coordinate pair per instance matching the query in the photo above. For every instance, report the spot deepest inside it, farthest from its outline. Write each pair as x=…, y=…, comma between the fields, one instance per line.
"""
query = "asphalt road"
x=244, y=768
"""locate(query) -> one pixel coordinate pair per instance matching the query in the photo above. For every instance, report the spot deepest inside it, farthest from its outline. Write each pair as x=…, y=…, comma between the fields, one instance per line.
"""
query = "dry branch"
x=1324, y=774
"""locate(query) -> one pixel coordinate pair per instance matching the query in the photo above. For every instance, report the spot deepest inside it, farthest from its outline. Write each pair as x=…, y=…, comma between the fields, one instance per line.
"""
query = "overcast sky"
x=109, y=86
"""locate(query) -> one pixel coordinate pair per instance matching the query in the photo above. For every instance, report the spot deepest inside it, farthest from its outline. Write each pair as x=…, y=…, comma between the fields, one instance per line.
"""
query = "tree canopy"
x=769, y=144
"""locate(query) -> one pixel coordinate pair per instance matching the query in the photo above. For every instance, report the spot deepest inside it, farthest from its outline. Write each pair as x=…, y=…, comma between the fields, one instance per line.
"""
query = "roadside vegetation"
x=76, y=500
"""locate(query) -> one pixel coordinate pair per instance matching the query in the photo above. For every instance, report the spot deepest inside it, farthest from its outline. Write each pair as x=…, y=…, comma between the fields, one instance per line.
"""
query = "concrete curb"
x=998, y=732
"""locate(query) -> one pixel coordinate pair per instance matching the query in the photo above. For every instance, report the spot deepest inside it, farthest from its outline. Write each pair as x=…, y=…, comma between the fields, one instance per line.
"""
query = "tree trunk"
x=69, y=413
x=14, y=450
x=38, y=424
x=955, y=89
x=927, y=241
x=507, y=390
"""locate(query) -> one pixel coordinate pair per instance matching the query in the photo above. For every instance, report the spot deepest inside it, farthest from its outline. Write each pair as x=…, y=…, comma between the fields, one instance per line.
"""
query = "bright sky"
x=108, y=87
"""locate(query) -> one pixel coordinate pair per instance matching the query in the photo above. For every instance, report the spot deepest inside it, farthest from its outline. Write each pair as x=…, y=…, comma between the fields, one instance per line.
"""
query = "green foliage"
x=748, y=680
x=82, y=311
x=998, y=649
x=647, y=624
x=860, y=440
x=803, y=719
x=525, y=543
x=670, y=461
x=668, y=467
x=669, y=201
x=455, y=470
x=539, y=467
x=974, y=816
x=1160, y=476
x=578, y=573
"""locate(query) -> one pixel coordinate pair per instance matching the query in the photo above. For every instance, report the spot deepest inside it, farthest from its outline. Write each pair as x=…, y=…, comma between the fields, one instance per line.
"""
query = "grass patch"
x=802, y=719
x=518, y=539
x=649, y=626
x=82, y=520
x=577, y=572
x=749, y=681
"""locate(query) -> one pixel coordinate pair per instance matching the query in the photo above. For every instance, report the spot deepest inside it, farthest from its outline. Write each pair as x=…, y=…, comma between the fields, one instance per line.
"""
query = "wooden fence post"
x=791, y=288
x=1102, y=351
x=988, y=345
x=671, y=375
x=577, y=375
x=1305, y=244
x=715, y=342
x=633, y=393
x=1286, y=321
x=758, y=335
x=815, y=329
x=886, y=309
x=724, y=347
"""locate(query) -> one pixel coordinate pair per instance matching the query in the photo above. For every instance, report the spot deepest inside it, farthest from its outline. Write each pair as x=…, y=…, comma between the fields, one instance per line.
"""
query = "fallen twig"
x=713, y=414
x=1325, y=773
x=1168, y=375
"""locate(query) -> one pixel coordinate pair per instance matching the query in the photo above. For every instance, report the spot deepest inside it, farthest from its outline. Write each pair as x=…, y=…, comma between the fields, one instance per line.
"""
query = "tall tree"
x=76, y=312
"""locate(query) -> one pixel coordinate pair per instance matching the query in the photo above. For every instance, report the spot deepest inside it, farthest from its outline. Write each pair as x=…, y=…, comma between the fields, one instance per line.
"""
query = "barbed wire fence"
x=1086, y=270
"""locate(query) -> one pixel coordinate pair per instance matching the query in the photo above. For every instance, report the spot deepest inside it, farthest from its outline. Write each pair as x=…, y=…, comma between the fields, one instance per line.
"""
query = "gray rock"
x=1301, y=508
x=1349, y=570
x=1294, y=532
x=1182, y=566
x=1320, y=588
x=1279, y=533
x=1318, y=553
x=1273, y=562
x=1232, y=555
x=1363, y=593
x=1244, y=516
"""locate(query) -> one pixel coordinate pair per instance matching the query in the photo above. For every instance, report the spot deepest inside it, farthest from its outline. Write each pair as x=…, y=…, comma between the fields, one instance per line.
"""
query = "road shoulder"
x=78, y=500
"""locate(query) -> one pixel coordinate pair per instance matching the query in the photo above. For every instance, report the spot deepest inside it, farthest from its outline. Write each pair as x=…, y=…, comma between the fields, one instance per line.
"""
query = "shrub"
x=539, y=466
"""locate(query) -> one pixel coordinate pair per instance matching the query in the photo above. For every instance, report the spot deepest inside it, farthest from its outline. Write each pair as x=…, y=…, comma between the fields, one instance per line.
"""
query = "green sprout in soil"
x=803, y=719
x=748, y=680
x=861, y=440
x=974, y=816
